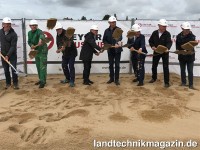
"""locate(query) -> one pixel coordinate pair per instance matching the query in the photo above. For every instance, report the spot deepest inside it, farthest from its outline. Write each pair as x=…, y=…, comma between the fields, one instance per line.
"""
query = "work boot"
x=41, y=85
x=71, y=84
x=37, y=83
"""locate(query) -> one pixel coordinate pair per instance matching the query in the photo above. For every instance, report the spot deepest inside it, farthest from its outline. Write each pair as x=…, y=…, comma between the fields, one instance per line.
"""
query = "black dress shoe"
x=191, y=87
x=140, y=84
x=91, y=82
x=152, y=81
x=166, y=85
x=117, y=83
x=7, y=86
x=110, y=81
x=135, y=80
x=86, y=83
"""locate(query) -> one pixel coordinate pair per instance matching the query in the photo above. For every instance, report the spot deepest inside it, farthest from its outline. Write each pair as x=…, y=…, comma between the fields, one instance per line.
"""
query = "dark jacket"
x=70, y=47
x=89, y=47
x=165, y=40
x=180, y=40
x=137, y=43
x=8, y=43
x=108, y=39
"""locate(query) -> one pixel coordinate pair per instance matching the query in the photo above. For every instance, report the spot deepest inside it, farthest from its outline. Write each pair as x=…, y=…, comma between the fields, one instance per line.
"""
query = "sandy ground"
x=59, y=117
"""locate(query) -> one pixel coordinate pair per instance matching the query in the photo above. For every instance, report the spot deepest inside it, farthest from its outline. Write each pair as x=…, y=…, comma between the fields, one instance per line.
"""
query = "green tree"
x=106, y=17
x=83, y=18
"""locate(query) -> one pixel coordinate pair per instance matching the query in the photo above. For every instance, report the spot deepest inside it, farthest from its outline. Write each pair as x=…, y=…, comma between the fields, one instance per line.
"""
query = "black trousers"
x=86, y=70
x=7, y=71
x=134, y=64
x=165, y=60
x=114, y=58
x=190, y=66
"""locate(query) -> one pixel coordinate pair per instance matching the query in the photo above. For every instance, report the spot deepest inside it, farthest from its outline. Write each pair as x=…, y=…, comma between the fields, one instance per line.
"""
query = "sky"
x=97, y=9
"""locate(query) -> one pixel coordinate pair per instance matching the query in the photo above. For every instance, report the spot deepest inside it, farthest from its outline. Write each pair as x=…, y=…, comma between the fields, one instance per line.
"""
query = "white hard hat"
x=33, y=22
x=162, y=22
x=94, y=27
x=136, y=28
x=58, y=25
x=112, y=19
x=6, y=20
x=186, y=25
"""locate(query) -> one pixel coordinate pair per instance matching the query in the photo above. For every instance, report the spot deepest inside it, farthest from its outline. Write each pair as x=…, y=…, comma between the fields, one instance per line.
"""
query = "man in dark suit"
x=114, y=53
x=87, y=51
x=161, y=37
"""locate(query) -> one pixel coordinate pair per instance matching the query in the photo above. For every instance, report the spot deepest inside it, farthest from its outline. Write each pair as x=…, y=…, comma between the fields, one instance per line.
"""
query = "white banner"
x=148, y=26
x=17, y=26
x=82, y=27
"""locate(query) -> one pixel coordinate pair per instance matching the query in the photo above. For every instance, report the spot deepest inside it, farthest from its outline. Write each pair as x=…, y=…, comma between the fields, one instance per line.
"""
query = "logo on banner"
x=50, y=37
x=146, y=25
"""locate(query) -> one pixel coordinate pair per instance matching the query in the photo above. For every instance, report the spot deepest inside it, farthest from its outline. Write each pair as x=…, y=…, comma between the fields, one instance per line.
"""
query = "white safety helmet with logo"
x=136, y=28
x=33, y=22
x=112, y=19
x=58, y=25
x=186, y=25
x=6, y=20
x=94, y=27
x=162, y=22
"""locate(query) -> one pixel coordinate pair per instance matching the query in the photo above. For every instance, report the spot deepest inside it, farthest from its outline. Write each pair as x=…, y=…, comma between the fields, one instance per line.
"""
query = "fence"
x=100, y=63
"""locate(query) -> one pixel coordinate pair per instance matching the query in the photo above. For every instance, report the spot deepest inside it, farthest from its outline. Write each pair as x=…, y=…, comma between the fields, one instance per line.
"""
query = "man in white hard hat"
x=68, y=48
x=8, y=42
x=88, y=49
x=161, y=37
x=36, y=41
x=186, y=60
x=114, y=54
x=137, y=45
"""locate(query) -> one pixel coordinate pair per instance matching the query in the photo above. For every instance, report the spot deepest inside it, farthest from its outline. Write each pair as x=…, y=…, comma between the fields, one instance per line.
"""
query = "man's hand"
x=132, y=49
x=33, y=47
x=6, y=58
x=57, y=51
x=139, y=51
x=153, y=48
x=97, y=54
x=117, y=46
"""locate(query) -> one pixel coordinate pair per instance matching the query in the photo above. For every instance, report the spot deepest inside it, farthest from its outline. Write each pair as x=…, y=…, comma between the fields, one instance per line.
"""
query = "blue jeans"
x=190, y=66
x=141, y=70
x=68, y=68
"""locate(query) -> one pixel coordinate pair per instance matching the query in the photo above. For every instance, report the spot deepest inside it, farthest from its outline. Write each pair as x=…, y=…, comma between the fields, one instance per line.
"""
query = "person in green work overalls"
x=36, y=40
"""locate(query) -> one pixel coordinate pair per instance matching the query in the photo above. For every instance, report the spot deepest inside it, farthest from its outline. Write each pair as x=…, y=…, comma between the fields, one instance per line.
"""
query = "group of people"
x=66, y=45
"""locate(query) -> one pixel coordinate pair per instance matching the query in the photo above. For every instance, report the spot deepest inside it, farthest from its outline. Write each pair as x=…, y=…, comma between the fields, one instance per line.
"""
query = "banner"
x=17, y=26
x=148, y=26
x=99, y=65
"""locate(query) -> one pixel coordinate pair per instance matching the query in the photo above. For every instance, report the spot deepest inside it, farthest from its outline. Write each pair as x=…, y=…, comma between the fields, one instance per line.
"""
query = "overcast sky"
x=93, y=9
